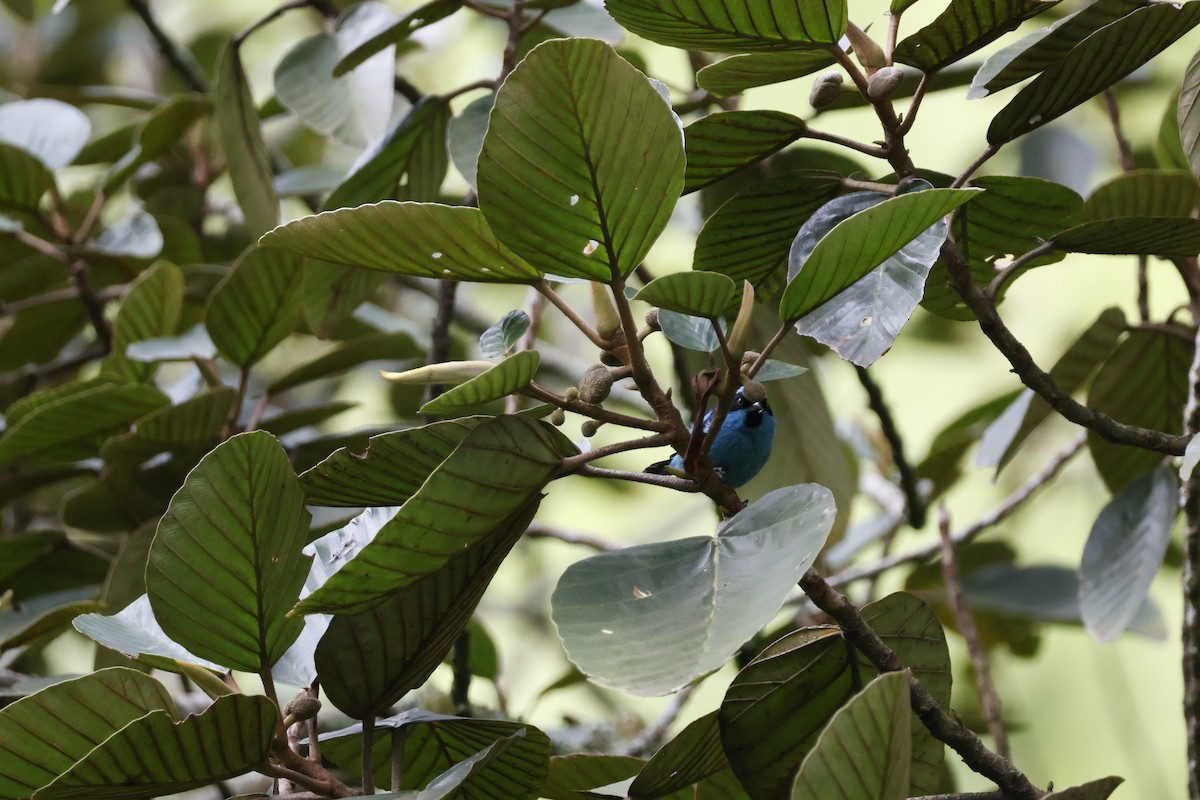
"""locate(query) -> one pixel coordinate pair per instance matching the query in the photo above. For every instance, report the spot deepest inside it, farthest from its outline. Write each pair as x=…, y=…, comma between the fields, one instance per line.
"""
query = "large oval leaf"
x=23, y=178
x=43, y=735
x=1188, y=114
x=423, y=239
x=149, y=310
x=748, y=237
x=225, y=565
x=1145, y=193
x=866, y=749
x=862, y=242
x=699, y=294
x=135, y=632
x=392, y=348
x=721, y=144
x=692, y=601
x=566, y=176
x=964, y=27
x=501, y=464
x=49, y=129
x=1124, y=551
x=1097, y=62
x=690, y=757
x=736, y=74
x=256, y=306
x=1144, y=382
x=733, y=25
x=246, y=156
x=510, y=375
x=390, y=470
x=229, y=738
x=1157, y=236
x=776, y=707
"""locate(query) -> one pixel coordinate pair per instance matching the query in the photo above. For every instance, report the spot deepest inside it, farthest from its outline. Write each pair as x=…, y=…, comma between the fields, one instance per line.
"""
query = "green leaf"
x=1144, y=382
x=150, y=309
x=571, y=774
x=333, y=292
x=43, y=735
x=499, y=338
x=161, y=131
x=692, y=601
x=748, y=237
x=135, y=632
x=694, y=333
x=1145, y=193
x=576, y=122
x=256, y=306
x=1012, y=216
x=225, y=565
x=23, y=178
x=421, y=239
x=1070, y=372
x=502, y=463
x=1092, y=790
x=368, y=661
x=353, y=109
x=390, y=470
x=1191, y=457
x=866, y=749
x=776, y=707
x=51, y=130
x=729, y=26
x=861, y=242
x=1044, y=48
x=395, y=33
x=734, y=75
x=465, y=136
x=862, y=321
x=964, y=27
x=699, y=294
x=193, y=343
x=433, y=743
x=724, y=143
x=694, y=754
x=294, y=419
x=1188, y=115
x=1095, y=64
x=1124, y=551
x=414, y=147
x=1158, y=236
x=393, y=347
x=47, y=625
x=192, y=426
x=509, y=376
x=229, y=738
x=1168, y=146
x=73, y=426
x=773, y=370
x=246, y=156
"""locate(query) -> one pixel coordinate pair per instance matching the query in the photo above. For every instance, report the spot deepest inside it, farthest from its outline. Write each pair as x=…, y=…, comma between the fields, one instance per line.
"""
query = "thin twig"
x=180, y=61
x=853, y=144
x=324, y=8
x=974, y=754
x=908, y=476
x=594, y=411
x=92, y=303
x=992, y=518
x=1040, y=381
x=1124, y=149
x=915, y=105
x=666, y=481
x=573, y=463
x=996, y=795
x=323, y=786
x=1019, y=263
x=988, y=698
x=538, y=530
x=651, y=739
x=1143, y=288
x=987, y=153
x=58, y=296
x=778, y=338
x=570, y=313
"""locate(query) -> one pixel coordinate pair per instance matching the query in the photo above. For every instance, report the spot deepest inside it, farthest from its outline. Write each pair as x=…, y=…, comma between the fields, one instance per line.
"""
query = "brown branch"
x=593, y=411
x=979, y=161
x=988, y=698
x=579, y=322
x=1037, y=379
x=1191, y=587
x=652, y=738
x=974, y=754
x=908, y=477
x=573, y=463
x=666, y=481
x=538, y=530
x=992, y=518
x=179, y=60
x=92, y=303
x=1124, y=149
x=853, y=144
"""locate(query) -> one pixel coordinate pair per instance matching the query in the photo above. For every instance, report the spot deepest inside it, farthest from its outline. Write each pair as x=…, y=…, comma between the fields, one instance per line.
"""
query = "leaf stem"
x=1005, y=275
x=666, y=481
x=908, y=477
x=579, y=322
x=575, y=463
x=979, y=161
x=183, y=64
x=594, y=411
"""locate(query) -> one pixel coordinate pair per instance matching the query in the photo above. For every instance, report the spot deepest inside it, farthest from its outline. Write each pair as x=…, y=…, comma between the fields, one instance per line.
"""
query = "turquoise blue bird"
x=742, y=446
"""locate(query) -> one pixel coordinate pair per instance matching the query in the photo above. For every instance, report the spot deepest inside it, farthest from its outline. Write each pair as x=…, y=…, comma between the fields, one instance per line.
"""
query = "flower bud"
x=558, y=417
x=652, y=320
x=595, y=385
x=589, y=428
x=753, y=391
x=881, y=85
x=571, y=393
x=302, y=707
x=825, y=89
